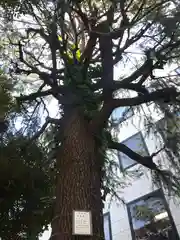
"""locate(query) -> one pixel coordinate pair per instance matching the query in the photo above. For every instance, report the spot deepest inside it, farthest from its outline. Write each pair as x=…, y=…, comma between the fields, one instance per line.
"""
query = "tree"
x=26, y=175
x=26, y=190
x=67, y=50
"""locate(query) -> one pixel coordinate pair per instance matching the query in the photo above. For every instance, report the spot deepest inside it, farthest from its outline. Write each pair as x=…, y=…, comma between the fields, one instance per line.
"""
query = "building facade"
x=148, y=213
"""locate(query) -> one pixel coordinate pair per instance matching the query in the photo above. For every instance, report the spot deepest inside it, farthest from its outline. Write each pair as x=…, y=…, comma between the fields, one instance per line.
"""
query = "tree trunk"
x=78, y=182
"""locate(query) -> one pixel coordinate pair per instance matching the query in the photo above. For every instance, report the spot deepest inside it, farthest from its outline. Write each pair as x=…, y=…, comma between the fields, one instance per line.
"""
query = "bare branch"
x=117, y=33
x=33, y=96
x=54, y=121
x=156, y=153
x=116, y=85
x=107, y=63
x=40, y=132
x=39, y=31
x=146, y=161
x=61, y=90
x=44, y=126
x=137, y=73
x=166, y=94
x=130, y=86
x=41, y=64
x=82, y=15
x=42, y=75
x=146, y=69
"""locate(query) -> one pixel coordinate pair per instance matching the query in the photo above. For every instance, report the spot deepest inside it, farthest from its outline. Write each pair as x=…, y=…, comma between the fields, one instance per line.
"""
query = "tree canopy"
x=86, y=58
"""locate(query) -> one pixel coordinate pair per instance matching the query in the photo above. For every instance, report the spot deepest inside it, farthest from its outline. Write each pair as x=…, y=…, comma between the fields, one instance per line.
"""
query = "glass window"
x=121, y=114
x=107, y=227
x=150, y=218
x=177, y=70
x=137, y=144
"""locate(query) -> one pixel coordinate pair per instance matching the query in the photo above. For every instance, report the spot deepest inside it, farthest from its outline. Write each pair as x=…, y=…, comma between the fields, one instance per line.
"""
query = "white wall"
x=118, y=212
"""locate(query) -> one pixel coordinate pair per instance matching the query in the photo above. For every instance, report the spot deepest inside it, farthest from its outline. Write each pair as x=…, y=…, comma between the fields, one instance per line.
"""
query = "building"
x=147, y=209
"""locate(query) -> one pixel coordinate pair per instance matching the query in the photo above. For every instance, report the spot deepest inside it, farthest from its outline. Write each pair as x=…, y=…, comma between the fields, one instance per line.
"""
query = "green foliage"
x=26, y=189
x=9, y=3
x=6, y=100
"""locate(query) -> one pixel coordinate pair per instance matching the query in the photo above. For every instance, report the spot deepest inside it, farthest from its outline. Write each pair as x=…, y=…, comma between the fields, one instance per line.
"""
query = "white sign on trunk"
x=82, y=223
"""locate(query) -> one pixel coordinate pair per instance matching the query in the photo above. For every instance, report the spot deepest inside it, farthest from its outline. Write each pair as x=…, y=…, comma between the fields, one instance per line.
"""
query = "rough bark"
x=78, y=181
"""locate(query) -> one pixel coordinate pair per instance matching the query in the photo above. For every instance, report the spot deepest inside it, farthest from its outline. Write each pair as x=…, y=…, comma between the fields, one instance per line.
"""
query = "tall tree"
x=67, y=51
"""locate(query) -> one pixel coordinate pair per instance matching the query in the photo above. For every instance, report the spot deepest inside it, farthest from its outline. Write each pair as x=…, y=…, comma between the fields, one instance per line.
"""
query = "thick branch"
x=117, y=33
x=164, y=94
x=33, y=96
x=103, y=115
x=107, y=63
x=146, y=161
x=116, y=85
x=106, y=46
x=39, y=31
x=137, y=73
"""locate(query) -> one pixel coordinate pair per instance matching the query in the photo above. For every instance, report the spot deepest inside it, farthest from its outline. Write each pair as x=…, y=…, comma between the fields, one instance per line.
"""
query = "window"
x=107, y=227
x=177, y=70
x=150, y=218
x=137, y=144
x=121, y=114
